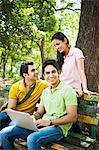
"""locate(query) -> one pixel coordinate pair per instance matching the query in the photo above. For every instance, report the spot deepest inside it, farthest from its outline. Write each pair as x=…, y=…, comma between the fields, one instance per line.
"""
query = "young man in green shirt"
x=57, y=112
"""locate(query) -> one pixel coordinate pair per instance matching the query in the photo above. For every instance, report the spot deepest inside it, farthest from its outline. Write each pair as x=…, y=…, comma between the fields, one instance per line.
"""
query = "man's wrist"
x=50, y=123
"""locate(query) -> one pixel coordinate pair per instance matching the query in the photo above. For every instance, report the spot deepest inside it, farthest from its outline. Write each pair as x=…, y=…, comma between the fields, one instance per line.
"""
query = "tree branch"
x=63, y=8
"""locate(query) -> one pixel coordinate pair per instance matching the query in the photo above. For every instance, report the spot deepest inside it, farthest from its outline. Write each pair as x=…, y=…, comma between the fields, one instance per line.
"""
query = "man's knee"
x=32, y=138
x=5, y=132
x=4, y=120
x=2, y=136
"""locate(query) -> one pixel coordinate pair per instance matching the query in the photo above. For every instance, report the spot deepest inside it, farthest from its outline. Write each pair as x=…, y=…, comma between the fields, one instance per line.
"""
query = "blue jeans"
x=4, y=120
x=34, y=139
x=37, y=139
x=10, y=133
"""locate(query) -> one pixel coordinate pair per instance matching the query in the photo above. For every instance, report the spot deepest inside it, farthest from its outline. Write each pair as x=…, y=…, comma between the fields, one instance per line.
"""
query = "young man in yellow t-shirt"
x=20, y=89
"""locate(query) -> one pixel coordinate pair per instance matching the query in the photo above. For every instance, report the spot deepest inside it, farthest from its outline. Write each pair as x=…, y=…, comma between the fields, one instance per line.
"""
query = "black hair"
x=60, y=59
x=60, y=36
x=24, y=67
x=60, y=56
x=50, y=62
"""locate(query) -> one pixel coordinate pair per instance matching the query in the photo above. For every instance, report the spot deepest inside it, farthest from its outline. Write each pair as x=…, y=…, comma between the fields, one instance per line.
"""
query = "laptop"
x=22, y=119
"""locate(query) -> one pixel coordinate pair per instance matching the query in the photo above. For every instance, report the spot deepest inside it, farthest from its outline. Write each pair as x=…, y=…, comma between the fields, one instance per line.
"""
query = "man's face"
x=32, y=73
x=51, y=75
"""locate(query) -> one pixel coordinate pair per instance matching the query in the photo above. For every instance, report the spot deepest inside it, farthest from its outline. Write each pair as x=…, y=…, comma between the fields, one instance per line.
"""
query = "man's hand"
x=42, y=122
x=33, y=117
x=87, y=92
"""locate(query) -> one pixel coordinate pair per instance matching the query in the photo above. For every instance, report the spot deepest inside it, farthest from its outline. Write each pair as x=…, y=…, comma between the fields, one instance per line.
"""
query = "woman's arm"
x=80, y=63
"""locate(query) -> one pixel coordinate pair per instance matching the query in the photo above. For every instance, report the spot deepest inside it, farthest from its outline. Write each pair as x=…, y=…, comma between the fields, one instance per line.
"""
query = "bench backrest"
x=88, y=111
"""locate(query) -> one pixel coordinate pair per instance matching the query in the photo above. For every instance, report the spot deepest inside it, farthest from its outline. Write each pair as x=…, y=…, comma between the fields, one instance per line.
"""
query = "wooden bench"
x=88, y=110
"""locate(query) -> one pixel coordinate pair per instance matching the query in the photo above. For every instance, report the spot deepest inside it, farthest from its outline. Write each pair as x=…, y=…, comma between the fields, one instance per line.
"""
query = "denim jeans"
x=10, y=133
x=4, y=120
x=37, y=139
x=34, y=139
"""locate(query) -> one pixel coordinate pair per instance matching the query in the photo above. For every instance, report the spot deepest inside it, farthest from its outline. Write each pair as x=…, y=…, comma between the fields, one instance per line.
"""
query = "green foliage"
x=18, y=29
x=14, y=76
x=44, y=16
x=23, y=25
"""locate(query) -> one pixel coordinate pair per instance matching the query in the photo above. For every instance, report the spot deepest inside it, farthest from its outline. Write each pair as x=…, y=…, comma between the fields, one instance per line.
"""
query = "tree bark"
x=88, y=41
x=3, y=62
x=42, y=49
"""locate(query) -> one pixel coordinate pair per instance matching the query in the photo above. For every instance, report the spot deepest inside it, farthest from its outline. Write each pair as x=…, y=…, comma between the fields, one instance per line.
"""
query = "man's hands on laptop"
x=41, y=122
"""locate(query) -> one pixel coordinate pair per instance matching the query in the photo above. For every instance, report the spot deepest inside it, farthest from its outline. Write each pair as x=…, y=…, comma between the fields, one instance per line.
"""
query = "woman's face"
x=61, y=46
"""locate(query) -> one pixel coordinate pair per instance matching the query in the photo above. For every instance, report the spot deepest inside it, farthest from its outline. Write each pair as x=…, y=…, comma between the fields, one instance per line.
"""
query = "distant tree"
x=26, y=27
x=20, y=25
x=88, y=40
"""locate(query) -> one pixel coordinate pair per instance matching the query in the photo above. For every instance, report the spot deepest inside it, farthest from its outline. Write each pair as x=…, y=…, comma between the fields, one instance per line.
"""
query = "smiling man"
x=57, y=111
x=19, y=90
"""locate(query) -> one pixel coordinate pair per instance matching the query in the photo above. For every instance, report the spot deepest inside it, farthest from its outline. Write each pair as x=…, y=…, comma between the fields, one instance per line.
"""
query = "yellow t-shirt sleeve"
x=13, y=92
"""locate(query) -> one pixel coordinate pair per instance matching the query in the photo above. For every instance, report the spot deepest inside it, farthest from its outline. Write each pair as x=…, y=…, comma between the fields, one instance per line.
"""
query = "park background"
x=26, y=28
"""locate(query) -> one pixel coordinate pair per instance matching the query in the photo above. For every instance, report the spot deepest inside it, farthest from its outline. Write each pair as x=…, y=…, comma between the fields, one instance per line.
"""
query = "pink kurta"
x=70, y=73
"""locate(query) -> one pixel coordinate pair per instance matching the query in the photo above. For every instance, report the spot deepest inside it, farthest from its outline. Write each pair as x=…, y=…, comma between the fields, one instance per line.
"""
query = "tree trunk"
x=88, y=41
x=42, y=49
x=3, y=61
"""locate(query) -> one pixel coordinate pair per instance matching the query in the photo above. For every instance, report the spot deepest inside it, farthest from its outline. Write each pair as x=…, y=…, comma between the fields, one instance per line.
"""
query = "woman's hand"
x=42, y=122
x=87, y=92
x=90, y=92
x=79, y=93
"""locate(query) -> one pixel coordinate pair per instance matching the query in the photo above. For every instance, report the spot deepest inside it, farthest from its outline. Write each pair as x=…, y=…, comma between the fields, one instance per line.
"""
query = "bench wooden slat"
x=57, y=146
x=91, y=98
x=88, y=120
x=81, y=137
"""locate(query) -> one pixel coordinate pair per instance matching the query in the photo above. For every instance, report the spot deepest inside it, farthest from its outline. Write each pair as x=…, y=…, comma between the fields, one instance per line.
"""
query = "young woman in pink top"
x=71, y=62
